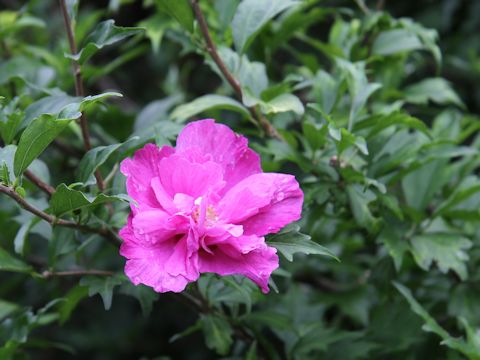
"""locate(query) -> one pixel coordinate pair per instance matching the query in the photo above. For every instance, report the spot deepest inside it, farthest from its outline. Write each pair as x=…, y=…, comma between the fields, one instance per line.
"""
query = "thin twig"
x=49, y=190
x=47, y=274
x=79, y=89
x=212, y=50
x=105, y=232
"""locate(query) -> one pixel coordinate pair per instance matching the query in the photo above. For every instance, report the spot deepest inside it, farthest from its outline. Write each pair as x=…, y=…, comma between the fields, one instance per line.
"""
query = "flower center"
x=204, y=214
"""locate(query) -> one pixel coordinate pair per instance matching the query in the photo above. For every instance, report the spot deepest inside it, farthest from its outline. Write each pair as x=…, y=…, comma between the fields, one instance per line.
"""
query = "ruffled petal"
x=225, y=147
x=256, y=264
x=141, y=170
x=262, y=203
x=146, y=262
x=179, y=175
x=156, y=225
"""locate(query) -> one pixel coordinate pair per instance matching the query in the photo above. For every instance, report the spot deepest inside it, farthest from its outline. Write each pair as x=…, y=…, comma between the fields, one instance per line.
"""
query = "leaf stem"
x=212, y=50
x=79, y=89
x=105, y=232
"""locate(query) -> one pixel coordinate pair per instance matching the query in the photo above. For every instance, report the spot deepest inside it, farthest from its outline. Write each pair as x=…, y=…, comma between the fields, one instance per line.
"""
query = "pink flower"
x=204, y=206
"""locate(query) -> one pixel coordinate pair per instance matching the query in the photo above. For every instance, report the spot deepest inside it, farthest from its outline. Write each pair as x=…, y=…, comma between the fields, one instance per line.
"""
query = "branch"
x=39, y=183
x=47, y=274
x=212, y=50
x=105, y=232
x=79, y=90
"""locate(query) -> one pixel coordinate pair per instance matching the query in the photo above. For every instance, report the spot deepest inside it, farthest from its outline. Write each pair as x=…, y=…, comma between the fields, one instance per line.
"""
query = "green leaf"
x=22, y=234
x=437, y=90
x=103, y=286
x=420, y=185
x=51, y=105
x=218, y=333
x=65, y=200
x=290, y=241
x=62, y=242
x=105, y=33
x=6, y=308
x=469, y=187
x=358, y=86
x=448, y=251
x=471, y=348
x=359, y=200
x=71, y=300
x=378, y=123
x=180, y=10
x=252, y=75
x=145, y=295
x=392, y=236
x=45, y=128
x=252, y=15
x=155, y=27
x=326, y=90
x=10, y=263
x=34, y=140
x=207, y=102
x=394, y=41
x=10, y=119
x=283, y=103
x=95, y=158
x=7, y=155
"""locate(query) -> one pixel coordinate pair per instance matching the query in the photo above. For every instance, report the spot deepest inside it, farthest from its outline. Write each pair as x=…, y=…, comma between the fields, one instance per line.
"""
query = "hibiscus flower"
x=203, y=206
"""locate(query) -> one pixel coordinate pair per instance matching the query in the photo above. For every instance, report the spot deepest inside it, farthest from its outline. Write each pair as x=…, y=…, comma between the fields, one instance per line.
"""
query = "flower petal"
x=226, y=148
x=182, y=176
x=262, y=203
x=146, y=262
x=141, y=170
x=156, y=226
x=257, y=264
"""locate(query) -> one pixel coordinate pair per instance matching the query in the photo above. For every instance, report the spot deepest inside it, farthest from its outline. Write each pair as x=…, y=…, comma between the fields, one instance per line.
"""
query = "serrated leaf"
x=10, y=263
x=207, y=102
x=448, y=251
x=102, y=286
x=290, y=241
x=217, y=332
x=65, y=200
x=106, y=33
x=252, y=15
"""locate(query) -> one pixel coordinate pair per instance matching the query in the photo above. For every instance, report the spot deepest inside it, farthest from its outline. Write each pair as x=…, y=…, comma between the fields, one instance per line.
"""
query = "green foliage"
x=376, y=115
